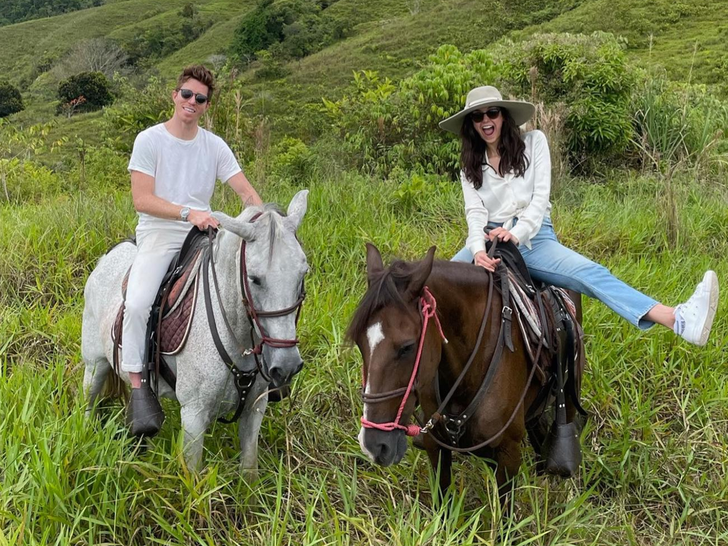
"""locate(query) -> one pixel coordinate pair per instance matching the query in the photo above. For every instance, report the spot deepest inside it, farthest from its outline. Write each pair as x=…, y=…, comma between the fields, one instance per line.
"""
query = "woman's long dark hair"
x=511, y=149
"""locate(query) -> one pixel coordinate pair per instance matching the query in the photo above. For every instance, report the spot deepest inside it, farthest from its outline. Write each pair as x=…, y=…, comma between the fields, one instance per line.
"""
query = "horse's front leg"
x=508, y=462
x=195, y=421
x=442, y=458
x=249, y=427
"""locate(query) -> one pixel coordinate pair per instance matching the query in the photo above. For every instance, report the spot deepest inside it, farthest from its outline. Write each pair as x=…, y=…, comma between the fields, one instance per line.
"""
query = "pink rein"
x=428, y=308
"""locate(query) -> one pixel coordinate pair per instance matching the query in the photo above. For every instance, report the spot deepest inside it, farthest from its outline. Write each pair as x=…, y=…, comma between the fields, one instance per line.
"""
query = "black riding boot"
x=144, y=414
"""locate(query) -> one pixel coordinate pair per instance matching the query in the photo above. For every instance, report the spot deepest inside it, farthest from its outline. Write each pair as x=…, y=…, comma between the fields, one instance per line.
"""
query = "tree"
x=94, y=55
x=92, y=86
x=10, y=99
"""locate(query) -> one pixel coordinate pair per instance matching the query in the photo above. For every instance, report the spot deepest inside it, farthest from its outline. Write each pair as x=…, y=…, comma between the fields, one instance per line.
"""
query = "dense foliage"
x=11, y=101
x=135, y=111
x=164, y=39
x=290, y=29
x=86, y=92
x=588, y=75
x=15, y=11
x=590, y=102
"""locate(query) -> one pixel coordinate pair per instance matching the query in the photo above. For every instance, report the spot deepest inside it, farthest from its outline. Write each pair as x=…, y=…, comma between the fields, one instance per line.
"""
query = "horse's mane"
x=385, y=288
x=270, y=211
x=388, y=286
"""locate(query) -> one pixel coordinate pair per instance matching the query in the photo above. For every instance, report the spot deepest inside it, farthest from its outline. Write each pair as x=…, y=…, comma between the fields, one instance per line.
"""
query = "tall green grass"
x=655, y=465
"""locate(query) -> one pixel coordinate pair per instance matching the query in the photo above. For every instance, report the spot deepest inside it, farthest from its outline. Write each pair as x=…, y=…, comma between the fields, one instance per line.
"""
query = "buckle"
x=507, y=312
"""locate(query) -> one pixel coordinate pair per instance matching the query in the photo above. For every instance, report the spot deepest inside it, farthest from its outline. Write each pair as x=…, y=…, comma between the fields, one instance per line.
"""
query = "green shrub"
x=10, y=99
x=292, y=160
x=85, y=92
x=586, y=77
x=589, y=75
x=138, y=109
x=28, y=182
x=386, y=125
x=161, y=40
x=677, y=123
x=259, y=29
x=290, y=29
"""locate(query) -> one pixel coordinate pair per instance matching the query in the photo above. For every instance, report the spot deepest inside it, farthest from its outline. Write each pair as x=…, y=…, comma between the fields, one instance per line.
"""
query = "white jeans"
x=156, y=248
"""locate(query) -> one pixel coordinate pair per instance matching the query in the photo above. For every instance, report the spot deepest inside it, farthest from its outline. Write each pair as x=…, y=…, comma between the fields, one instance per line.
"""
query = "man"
x=173, y=166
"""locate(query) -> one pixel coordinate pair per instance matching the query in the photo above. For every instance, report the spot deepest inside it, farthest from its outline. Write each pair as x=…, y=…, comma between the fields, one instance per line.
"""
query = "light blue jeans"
x=550, y=262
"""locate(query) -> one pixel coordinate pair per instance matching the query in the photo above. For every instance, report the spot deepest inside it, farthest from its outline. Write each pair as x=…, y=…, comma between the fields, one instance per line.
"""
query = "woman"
x=506, y=180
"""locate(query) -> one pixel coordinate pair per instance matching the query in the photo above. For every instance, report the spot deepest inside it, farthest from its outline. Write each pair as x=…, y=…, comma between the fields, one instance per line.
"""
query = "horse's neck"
x=461, y=295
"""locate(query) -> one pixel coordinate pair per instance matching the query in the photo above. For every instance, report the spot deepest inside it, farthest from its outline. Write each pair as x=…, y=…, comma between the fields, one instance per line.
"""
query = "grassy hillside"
x=33, y=43
x=688, y=39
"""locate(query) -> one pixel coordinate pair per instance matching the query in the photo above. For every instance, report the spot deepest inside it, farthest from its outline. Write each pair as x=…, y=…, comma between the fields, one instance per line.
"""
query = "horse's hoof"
x=563, y=449
x=144, y=415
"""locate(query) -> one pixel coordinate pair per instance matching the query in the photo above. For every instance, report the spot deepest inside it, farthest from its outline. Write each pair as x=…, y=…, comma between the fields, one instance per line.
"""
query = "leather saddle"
x=171, y=316
x=546, y=314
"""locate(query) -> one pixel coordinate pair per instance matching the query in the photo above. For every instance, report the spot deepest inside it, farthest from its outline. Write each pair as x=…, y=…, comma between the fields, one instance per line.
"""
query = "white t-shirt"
x=184, y=171
x=503, y=198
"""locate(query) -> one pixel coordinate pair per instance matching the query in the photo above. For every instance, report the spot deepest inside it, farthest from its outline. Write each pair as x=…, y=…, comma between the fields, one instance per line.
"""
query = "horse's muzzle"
x=383, y=447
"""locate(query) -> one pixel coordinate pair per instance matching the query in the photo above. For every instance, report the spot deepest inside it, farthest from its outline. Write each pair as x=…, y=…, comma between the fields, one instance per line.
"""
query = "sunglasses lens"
x=186, y=94
x=478, y=116
x=493, y=113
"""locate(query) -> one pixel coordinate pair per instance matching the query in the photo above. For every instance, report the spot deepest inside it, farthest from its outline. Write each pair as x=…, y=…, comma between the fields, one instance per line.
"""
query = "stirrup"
x=563, y=450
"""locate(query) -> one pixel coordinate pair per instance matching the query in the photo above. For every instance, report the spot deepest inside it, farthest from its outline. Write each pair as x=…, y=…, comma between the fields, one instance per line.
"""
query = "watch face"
x=184, y=213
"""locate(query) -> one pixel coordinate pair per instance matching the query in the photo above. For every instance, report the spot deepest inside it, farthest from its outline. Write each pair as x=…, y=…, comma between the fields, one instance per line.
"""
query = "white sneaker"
x=694, y=318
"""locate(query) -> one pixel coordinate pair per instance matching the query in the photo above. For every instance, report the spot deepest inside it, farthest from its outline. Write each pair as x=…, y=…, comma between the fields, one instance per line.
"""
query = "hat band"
x=481, y=101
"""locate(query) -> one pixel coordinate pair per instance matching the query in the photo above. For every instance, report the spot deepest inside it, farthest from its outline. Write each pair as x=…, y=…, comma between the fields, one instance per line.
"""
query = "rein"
x=428, y=306
x=243, y=379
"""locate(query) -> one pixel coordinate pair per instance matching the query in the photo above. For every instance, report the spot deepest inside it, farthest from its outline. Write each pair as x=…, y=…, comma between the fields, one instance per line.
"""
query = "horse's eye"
x=255, y=280
x=406, y=350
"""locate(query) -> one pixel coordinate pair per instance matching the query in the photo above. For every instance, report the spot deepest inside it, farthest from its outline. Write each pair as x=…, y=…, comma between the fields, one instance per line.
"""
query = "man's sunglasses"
x=187, y=94
x=492, y=113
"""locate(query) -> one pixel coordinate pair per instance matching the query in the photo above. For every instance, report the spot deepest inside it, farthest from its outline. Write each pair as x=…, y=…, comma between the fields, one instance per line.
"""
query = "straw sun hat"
x=482, y=98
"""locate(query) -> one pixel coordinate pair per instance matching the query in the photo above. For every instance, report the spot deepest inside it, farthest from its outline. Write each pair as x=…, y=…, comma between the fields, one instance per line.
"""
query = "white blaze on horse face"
x=375, y=335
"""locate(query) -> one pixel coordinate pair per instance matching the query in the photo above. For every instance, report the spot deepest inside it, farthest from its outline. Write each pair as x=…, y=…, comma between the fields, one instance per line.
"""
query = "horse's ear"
x=296, y=210
x=245, y=230
x=374, y=262
x=420, y=274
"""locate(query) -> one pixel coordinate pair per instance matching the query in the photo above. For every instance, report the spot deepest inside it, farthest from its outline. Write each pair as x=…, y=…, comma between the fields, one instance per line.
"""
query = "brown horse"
x=449, y=361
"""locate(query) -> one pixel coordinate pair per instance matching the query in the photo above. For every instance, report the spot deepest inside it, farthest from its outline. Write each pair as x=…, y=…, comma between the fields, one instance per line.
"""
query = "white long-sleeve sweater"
x=503, y=198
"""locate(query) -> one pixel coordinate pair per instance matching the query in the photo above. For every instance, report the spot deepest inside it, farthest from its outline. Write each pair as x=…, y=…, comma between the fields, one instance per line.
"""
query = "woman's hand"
x=483, y=260
x=502, y=235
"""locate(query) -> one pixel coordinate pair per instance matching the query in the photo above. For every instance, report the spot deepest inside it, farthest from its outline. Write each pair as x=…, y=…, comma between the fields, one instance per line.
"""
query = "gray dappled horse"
x=276, y=265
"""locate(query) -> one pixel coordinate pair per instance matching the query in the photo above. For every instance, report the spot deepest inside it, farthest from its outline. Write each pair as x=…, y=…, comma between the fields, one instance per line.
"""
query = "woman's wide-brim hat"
x=482, y=98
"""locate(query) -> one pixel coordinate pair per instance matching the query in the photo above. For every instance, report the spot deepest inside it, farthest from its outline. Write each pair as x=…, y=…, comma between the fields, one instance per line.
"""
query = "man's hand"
x=483, y=260
x=502, y=235
x=202, y=219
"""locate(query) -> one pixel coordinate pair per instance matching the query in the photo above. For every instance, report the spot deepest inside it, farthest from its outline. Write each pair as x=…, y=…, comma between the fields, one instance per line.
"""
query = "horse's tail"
x=115, y=387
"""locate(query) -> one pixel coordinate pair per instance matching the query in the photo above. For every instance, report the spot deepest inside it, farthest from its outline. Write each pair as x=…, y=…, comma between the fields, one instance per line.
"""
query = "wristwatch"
x=184, y=213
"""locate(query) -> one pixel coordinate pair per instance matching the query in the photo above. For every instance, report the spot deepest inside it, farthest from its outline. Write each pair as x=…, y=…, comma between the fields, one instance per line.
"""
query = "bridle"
x=244, y=379
x=428, y=308
x=255, y=314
